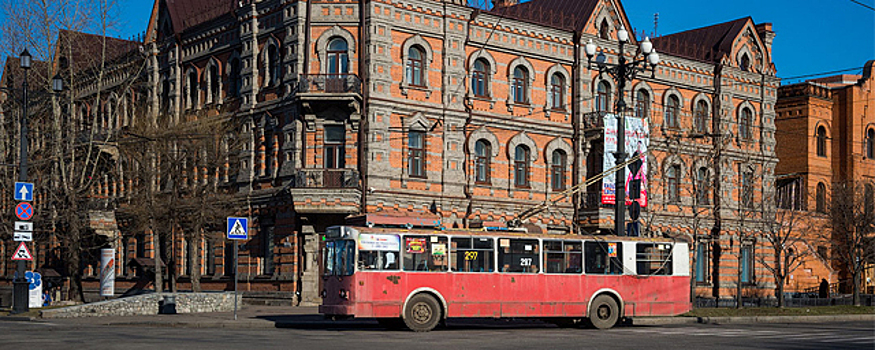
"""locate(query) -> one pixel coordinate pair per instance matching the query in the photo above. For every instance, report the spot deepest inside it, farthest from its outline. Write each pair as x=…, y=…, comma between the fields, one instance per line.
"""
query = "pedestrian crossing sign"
x=238, y=228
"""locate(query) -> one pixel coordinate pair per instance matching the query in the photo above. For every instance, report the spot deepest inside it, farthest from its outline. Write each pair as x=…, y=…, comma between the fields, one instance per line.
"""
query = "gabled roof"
x=85, y=49
x=707, y=43
x=13, y=74
x=185, y=14
x=561, y=14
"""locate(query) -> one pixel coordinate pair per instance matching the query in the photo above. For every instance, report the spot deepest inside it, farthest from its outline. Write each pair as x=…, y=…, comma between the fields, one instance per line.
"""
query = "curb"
x=18, y=318
x=656, y=321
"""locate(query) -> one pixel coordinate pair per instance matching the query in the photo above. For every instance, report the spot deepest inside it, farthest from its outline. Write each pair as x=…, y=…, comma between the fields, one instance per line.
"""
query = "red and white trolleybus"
x=418, y=278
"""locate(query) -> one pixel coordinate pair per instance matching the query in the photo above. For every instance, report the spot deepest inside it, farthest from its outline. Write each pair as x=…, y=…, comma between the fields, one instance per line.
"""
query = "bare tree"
x=852, y=227
x=784, y=236
x=75, y=149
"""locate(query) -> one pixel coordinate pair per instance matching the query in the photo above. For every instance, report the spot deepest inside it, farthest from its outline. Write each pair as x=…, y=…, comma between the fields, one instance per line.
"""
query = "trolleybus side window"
x=605, y=258
x=472, y=254
x=425, y=253
x=653, y=259
x=563, y=256
x=339, y=256
x=519, y=255
x=379, y=252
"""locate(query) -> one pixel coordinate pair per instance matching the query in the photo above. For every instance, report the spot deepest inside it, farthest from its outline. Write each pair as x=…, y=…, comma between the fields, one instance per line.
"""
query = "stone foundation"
x=148, y=305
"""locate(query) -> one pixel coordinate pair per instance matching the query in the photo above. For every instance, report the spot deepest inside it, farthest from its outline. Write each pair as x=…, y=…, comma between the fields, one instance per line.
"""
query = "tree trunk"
x=738, y=303
x=74, y=266
x=159, y=272
x=194, y=257
x=856, y=284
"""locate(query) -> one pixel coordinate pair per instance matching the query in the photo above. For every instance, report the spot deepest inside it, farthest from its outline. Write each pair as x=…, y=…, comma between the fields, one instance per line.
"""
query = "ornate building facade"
x=436, y=113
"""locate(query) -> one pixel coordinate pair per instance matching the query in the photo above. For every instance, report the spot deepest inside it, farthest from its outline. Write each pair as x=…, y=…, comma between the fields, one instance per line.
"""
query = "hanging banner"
x=637, y=141
x=107, y=272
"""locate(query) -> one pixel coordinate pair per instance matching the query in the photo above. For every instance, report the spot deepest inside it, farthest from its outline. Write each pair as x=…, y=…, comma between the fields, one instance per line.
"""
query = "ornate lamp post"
x=623, y=71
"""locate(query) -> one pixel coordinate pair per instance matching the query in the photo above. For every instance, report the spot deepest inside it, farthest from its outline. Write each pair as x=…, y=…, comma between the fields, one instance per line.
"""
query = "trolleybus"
x=419, y=278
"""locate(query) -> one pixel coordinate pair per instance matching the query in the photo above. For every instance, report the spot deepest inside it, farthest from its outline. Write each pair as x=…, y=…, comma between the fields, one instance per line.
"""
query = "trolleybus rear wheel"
x=604, y=312
x=422, y=314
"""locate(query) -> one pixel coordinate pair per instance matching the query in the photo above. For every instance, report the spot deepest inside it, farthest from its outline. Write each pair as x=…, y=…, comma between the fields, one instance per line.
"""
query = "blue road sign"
x=24, y=191
x=24, y=211
x=238, y=228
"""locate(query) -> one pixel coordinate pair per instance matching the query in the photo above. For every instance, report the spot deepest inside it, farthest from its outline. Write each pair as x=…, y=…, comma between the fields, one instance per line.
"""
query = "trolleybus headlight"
x=343, y=294
x=324, y=294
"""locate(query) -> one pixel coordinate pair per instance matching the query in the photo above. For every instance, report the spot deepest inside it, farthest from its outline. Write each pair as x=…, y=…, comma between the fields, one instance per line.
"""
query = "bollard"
x=167, y=306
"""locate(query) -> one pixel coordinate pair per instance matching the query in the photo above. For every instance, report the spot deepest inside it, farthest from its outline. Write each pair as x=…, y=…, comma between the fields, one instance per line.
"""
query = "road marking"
x=849, y=340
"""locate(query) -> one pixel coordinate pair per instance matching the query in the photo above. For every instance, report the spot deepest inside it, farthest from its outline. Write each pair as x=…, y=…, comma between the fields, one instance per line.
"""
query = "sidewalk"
x=250, y=316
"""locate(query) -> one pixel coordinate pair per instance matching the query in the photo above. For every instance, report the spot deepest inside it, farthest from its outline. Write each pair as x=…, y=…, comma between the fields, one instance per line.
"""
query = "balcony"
x=326, y=191
x=326, y=178
x=594, y=120
x=329, y=84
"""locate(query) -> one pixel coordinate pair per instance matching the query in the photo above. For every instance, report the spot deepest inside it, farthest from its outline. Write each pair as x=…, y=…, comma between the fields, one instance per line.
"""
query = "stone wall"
x=148, y=305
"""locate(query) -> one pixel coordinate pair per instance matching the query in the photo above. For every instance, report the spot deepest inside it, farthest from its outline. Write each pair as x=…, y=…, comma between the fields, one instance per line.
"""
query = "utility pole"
x=622, y=72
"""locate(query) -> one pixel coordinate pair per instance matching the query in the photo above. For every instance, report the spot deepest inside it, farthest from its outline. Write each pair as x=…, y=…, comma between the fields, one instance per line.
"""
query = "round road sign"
x=24, y=211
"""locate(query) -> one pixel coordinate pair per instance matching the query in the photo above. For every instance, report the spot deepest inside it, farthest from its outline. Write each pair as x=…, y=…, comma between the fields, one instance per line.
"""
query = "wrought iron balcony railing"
x=327, y=178
x=329, y=83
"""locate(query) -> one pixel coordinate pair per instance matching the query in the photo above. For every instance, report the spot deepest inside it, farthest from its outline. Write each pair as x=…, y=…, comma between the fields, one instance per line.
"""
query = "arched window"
x=416, y=153
x=415, y=66
x=234, y=78
x=521, y=166
x=557, y=170
x=642, y=104
x=744, y=63
x=603, y=97
x=482, y=152
x=870, y=144
x=192, y=89
x=673, y=181
x=165, y=94
x=214, y=84
x=820, y=198
x=338, y=58
x=604, y=30
x=821, y=141
x=672, y=112
x=557, y=93
x=701, y=117
x=480, y=78
x=518, y=87
x=702, y=186
x=273, y=65
x=745, y=123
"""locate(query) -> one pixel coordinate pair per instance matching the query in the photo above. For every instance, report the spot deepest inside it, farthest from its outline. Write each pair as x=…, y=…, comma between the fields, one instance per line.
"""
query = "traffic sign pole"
x=235, y=280
x=237, y=229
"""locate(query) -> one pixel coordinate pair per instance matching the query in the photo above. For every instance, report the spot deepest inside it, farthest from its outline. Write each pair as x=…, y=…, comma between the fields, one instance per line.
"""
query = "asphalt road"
x=466, y=334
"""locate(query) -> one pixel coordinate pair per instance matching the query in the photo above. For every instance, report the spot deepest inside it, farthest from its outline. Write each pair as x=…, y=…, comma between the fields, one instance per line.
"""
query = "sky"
x=812, y=36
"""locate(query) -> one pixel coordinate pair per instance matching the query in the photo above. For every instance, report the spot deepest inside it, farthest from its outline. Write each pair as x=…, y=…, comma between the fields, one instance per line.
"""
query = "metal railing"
x=789, y=301
x=327, y=178
x=593, y=120
x=329, y=83
x=591, y=200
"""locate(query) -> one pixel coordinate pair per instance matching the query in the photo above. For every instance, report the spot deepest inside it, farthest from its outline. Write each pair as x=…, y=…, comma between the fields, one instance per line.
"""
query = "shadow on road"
x=319, y=322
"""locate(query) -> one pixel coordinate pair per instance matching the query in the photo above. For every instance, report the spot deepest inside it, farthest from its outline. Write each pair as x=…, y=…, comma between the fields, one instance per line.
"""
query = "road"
x=467, y=334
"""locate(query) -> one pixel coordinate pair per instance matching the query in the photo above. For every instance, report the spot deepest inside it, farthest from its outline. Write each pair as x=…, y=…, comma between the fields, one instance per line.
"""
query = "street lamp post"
x=20, y=284
x=623, y=71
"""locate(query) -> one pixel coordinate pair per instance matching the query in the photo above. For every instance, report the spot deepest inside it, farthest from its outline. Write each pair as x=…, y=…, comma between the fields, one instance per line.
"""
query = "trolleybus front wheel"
x=422, y=314
x=604, y=312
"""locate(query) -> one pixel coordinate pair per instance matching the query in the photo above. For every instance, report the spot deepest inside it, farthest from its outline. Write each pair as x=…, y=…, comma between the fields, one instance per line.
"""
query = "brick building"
x=436, y=113
x=826, y=137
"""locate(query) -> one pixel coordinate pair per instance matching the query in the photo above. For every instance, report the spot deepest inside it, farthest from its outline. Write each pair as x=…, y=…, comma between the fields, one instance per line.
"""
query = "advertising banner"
x=107, y=272
x=34, y=289
x=637, y=141
x=390, y=243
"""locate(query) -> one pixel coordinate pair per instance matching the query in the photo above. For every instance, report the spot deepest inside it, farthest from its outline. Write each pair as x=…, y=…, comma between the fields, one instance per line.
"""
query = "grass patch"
x=787, y=311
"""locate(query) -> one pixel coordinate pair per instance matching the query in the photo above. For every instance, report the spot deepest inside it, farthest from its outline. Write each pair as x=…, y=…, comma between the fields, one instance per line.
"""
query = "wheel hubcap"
x=421, y=313
x=604, y=312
